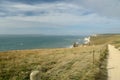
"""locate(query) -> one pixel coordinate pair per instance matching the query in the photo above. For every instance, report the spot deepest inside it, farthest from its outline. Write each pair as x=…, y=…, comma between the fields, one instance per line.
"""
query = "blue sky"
x=59, y=17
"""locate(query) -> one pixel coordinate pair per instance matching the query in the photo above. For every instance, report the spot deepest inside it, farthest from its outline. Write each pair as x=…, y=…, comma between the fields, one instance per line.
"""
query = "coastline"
x=37, y=42
x=66, y=61
x=86, y=40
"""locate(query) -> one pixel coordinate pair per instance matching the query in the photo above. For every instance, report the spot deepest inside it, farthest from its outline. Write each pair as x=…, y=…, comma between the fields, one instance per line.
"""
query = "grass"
x=106, y=39
x=102, y=74
x=54, y=64
x=59, y=64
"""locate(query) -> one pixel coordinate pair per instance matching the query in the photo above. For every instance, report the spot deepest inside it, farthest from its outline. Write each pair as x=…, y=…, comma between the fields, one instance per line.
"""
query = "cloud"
x=108, y=8
x=31, y=1
x=50, y=13
x=47, y=13
x=88, y=15
x=16, y=9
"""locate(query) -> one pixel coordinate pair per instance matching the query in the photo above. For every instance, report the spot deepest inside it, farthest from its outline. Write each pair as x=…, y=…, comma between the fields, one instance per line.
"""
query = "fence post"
x=93, y=60
x=93, y=57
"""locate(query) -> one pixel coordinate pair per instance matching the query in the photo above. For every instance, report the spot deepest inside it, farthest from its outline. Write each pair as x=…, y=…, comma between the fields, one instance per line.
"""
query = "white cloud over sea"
x=59, y=17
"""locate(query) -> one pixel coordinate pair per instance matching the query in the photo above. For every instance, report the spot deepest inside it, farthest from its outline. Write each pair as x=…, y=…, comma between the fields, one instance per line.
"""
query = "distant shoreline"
x=37, y=42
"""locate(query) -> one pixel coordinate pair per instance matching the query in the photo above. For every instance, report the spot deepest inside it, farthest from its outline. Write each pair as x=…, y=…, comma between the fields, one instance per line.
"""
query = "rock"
x=35, y=75
x=75, y=44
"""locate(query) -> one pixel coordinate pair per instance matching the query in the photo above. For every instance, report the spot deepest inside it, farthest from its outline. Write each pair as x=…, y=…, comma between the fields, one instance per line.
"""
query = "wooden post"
x=93, y=61
x=93, y=57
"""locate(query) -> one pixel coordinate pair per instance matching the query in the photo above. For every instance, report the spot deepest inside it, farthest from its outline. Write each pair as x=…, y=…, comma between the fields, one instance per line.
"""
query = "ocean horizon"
x=22, y=42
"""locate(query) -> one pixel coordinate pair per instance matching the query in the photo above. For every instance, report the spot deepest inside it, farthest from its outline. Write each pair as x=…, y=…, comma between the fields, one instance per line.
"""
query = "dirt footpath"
x=113, y=63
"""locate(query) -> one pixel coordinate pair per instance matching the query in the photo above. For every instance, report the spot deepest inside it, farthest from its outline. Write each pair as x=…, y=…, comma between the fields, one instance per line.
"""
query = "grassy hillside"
x=106, y=39
x=54, y=64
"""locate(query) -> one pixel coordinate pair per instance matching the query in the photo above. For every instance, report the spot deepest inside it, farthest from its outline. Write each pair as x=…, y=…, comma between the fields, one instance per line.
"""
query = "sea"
x=22, y=42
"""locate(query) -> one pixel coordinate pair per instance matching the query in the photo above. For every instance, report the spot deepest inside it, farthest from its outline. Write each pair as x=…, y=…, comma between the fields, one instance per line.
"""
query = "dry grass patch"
x=113, y=39
x=53, y=64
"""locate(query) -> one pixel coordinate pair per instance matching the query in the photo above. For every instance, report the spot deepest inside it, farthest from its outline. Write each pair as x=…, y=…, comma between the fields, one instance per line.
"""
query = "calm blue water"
x=19, y=42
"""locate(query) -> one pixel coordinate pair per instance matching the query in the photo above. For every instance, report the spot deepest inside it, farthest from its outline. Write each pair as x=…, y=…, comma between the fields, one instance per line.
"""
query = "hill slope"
x=54, y=64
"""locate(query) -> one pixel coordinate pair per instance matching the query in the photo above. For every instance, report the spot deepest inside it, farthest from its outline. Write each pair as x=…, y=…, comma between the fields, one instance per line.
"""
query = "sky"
x=59, y=17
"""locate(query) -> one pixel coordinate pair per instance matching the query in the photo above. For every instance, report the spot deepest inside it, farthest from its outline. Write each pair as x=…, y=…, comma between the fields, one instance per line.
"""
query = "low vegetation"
x=113, y=39
x=80, y=63
x=54, y=64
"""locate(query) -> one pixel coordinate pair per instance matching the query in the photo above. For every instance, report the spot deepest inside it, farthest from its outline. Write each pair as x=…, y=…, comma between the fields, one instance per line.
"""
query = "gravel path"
x=113, y=63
